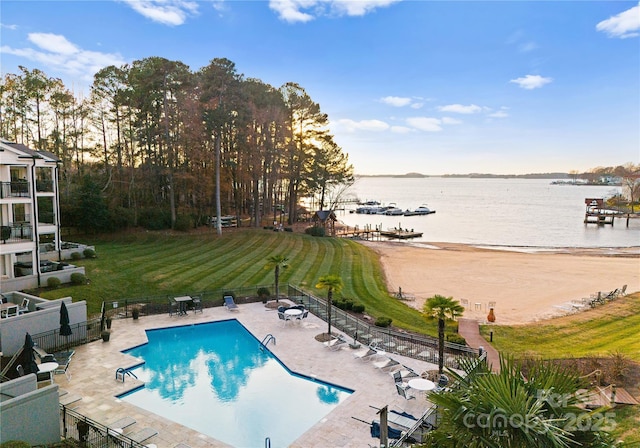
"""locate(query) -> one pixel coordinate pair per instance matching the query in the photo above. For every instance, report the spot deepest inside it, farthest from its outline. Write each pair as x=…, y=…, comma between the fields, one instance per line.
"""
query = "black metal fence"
x=411, y=345
x=89, y=433
x=147, y=306
x=424, y=348
x=81, y=333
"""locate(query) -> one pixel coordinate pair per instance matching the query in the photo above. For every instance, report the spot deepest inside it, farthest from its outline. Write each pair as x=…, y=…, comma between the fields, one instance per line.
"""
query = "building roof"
x=26, y=151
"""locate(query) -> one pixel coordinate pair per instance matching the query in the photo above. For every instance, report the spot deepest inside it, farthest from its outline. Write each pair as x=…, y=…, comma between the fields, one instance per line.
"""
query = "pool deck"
x=94, y=365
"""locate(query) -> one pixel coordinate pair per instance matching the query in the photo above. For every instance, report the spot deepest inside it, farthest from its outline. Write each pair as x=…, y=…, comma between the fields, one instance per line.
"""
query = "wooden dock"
x=367, y=233
x=401, y=234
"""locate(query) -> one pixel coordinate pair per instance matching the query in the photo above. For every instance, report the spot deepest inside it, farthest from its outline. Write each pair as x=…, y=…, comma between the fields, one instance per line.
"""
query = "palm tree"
x=443, y=309
x=331, y=283
x=277, y=262
x=539, y=407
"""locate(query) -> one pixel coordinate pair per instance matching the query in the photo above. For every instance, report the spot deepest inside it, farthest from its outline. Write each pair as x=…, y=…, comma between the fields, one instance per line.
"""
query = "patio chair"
x=404, y=392
x=387, y=364
x=443, y=380
x=397, y=379
x=122, y=423
x=24, y=306
x=64, y=360
x=197, y=304
x=174, y=307
x=365, y=354
x=336, y=343
x=304, y=314
x=284, y=318
x=230, y=304
x=143, y=434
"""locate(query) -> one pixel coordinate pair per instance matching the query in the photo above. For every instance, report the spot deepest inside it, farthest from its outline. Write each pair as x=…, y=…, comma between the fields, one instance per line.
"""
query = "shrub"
x=154, y=218
x=183, y=223
x=290, y=229
x=456, y=339
x=315, y=231
x=357, y=308
x=348, y=304
x=263, y=293
x=383, y=321
x=15, y=444
x=53, y=282
x=78, y=278
x=89, y=253
x=76, y=256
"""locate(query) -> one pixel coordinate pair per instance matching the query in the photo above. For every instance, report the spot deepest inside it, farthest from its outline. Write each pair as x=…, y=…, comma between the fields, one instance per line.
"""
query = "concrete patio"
x=94, y=388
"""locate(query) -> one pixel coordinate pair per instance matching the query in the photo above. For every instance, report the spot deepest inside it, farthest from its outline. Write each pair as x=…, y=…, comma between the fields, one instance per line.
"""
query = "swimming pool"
x=214, y=378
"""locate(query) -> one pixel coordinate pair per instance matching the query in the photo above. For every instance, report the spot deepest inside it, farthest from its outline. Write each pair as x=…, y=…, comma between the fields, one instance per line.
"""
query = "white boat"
x=393, y=210
x=422, y=210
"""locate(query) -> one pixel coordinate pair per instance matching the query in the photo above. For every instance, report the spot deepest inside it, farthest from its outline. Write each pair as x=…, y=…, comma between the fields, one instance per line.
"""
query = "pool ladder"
x=267, y=443
x=268, y=338
x=121, y=373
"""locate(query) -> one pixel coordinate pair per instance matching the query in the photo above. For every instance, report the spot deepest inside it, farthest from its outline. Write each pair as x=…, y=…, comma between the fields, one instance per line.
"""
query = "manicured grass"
x=613, y=327
x=610, y=328
x=147, y=264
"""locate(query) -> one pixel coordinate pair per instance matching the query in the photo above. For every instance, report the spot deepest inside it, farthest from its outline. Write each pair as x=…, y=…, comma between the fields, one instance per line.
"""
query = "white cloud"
x=400, y=129
x=167, y=12
x=450, y=120
x=531, y=82
x=362, y=125
x=306, y=10
x=425, y=124
x=53, y=43
x=55, y=52
x=396, y=101
x=461, y=109
x=624, y=25
x=9, y=27
x=499, y=114
x=417, y=105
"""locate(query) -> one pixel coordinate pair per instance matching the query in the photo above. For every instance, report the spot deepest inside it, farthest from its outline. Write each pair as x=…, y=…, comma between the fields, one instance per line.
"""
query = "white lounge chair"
x=365, y=354
x=336, y=343
x=387, y=364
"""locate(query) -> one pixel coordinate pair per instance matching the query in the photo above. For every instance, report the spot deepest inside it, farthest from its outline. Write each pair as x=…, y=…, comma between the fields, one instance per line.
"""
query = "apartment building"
x=29, y=215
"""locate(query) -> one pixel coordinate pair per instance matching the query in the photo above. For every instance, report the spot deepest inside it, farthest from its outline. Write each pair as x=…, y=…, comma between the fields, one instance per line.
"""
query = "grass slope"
x=167, y=263
x=613, y=327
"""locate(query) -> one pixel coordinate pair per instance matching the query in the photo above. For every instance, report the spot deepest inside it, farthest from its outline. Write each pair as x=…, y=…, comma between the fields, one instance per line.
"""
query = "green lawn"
x=166, y=263
x=614, y=327
x=607, y=329
x=146, y=264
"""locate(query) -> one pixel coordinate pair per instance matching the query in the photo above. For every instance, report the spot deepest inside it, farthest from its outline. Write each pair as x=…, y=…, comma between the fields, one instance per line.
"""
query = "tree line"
x=158, y=145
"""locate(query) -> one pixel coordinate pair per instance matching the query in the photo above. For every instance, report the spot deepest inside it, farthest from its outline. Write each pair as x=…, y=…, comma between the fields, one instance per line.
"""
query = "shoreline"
x=526, y=284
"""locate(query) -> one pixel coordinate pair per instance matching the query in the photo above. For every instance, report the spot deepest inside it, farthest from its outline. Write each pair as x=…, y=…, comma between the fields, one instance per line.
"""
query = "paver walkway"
x=470, y=331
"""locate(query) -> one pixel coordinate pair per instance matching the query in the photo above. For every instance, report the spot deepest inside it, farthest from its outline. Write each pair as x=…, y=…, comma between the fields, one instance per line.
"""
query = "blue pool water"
x=215, y=379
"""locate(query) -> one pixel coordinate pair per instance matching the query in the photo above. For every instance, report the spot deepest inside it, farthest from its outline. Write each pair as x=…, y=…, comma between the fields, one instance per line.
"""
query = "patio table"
x=182, y=303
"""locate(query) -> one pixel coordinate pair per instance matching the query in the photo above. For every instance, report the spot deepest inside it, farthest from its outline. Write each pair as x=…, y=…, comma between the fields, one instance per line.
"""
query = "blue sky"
x=435, y=87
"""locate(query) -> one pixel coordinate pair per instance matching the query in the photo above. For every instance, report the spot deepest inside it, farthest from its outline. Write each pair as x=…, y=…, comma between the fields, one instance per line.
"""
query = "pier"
x=595, y=212
x=367, y=233
x=370, y=233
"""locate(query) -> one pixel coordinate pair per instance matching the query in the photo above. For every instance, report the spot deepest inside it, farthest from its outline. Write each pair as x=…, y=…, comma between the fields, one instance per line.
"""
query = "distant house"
x=326, y=219
x=29, y=218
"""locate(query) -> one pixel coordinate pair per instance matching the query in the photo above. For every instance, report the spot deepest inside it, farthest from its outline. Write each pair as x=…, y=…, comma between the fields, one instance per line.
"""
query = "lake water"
x=526, y=213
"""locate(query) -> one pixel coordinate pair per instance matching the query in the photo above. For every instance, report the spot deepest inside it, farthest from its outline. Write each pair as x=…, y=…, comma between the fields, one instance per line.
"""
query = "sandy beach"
x=525, y=287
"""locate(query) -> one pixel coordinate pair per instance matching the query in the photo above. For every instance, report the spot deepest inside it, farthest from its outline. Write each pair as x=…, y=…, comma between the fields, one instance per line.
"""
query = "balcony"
x=15, y=189
x=16, y=232
x=44, y=186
